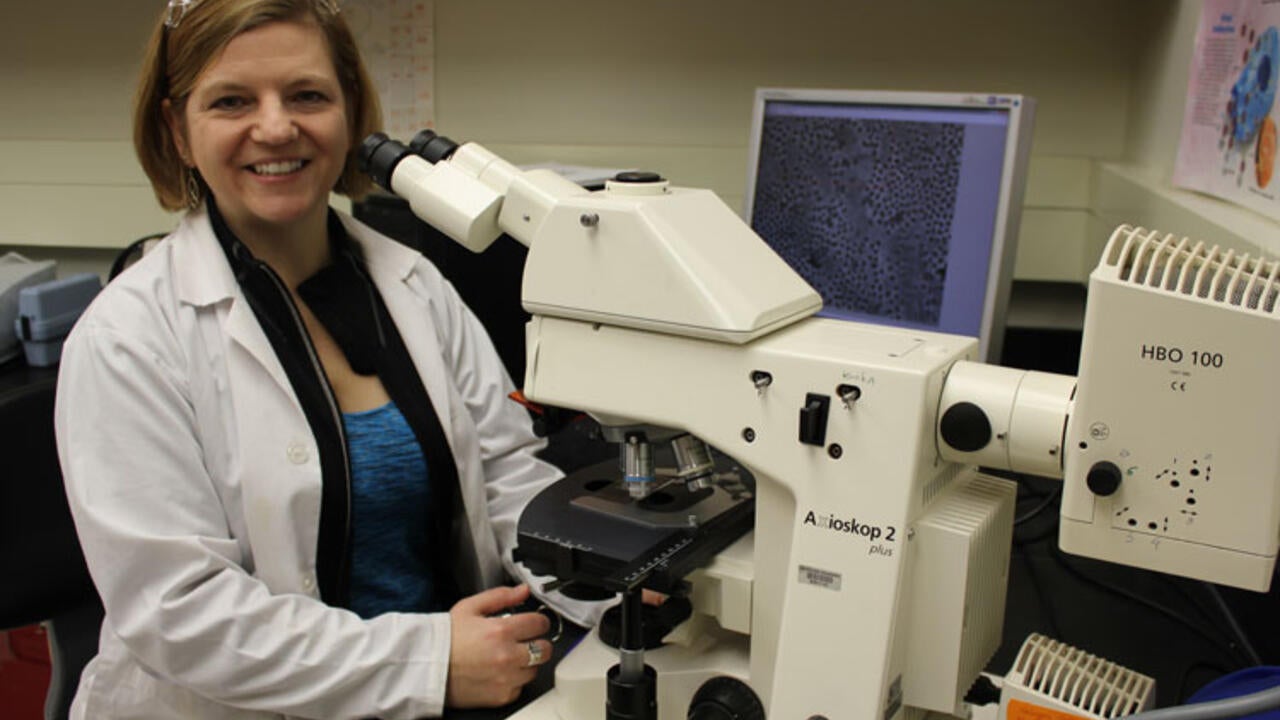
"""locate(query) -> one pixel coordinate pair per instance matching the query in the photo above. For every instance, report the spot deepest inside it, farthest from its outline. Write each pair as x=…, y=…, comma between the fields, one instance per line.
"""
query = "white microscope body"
x=873, y=583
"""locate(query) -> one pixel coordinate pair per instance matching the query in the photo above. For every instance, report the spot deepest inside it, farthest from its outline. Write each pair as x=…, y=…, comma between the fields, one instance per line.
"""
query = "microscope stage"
x=587, y=529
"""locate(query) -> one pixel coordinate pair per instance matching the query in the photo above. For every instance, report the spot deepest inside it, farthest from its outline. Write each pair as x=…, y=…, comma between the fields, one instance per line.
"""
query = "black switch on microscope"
x=813, y=419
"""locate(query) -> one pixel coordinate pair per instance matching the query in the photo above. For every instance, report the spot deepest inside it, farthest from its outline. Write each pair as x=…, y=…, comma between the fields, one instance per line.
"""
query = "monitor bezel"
x=1020, y=110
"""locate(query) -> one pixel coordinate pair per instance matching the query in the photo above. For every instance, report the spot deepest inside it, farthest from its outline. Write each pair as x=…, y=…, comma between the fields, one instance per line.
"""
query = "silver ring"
x=535, y=653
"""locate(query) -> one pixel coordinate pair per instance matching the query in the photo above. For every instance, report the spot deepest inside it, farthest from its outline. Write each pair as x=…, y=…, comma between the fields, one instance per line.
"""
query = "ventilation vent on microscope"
x=1182, y=266
x=1048, y=672
x=934, y=487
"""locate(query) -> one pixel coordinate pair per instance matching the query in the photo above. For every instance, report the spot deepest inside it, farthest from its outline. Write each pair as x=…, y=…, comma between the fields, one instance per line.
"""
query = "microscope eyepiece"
x=432, y=147
x=379, y=156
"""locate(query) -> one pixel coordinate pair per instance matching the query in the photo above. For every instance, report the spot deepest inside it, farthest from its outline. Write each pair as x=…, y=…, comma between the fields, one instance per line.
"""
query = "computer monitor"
x=899, y=208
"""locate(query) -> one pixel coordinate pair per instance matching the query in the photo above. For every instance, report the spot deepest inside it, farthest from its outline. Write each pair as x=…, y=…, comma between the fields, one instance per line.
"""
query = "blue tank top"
x=390, y=505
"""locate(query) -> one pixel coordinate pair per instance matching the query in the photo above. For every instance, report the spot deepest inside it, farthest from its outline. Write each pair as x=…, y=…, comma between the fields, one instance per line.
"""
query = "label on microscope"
x=821, y=578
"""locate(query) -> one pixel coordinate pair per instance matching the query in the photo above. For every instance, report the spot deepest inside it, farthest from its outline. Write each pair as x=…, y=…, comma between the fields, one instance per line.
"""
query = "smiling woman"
x=196, y=33
x=317, y=508
x=265, y=126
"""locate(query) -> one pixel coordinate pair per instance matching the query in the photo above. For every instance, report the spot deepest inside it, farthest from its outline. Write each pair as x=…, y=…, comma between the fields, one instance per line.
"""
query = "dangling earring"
x=193, y=189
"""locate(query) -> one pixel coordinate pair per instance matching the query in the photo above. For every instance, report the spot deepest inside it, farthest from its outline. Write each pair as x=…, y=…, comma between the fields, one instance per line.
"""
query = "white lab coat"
x=194, y=481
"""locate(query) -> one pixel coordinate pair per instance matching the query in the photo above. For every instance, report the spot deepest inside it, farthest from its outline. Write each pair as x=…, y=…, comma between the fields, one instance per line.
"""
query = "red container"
x=24, y=673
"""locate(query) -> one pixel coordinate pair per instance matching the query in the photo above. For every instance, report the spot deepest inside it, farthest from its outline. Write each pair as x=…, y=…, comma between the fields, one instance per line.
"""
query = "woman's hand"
x=492, y=658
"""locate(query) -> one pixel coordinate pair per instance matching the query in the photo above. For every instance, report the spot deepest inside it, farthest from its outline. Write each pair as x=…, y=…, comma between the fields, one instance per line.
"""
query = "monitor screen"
x=895, y=207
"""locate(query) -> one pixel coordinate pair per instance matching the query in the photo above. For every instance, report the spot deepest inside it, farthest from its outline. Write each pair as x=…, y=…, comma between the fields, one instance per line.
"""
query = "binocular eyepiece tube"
x=379, y=154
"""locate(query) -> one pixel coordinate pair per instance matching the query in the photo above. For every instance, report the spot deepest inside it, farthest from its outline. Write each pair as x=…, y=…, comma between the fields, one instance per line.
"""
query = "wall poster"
x=397, y=41
x=1228, y=145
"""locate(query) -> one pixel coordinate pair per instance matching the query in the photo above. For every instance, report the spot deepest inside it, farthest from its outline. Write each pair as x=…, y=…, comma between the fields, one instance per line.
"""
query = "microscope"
x=812, y=487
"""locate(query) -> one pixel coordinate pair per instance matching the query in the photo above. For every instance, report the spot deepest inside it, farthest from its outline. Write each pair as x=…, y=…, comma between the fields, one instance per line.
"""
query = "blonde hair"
x=175, y=57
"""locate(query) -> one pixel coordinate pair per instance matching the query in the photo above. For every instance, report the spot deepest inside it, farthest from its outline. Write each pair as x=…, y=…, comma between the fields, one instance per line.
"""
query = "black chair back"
x=42, y=566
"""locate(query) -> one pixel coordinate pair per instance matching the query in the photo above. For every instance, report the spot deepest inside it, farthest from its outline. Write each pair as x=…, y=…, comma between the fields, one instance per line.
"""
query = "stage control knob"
x=1104, y=478
x=965, y=427
x=725, y=698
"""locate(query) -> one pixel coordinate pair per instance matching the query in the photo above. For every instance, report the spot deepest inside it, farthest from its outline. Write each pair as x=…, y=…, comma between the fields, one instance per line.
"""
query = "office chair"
x=45, y=578
x=132, y=253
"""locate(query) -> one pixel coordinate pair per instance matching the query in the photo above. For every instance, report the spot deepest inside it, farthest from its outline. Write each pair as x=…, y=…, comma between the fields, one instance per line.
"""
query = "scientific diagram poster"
x=1228, y=146
x=397, y=40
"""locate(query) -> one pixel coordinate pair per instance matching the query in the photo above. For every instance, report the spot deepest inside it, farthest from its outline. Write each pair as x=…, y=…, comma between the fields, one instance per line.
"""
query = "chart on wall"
x=1228, y=146
x=397, y=40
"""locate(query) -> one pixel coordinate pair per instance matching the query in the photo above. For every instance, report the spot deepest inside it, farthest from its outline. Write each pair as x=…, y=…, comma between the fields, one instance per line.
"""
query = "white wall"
x=668, y=85
x=67, y=173
x=665, y=85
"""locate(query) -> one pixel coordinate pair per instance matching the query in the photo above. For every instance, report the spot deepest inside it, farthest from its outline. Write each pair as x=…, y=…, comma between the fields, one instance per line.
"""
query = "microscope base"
x=579, y=693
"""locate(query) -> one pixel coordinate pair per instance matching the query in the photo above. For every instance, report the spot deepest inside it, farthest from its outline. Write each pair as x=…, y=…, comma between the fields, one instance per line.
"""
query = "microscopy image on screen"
x=862, y=210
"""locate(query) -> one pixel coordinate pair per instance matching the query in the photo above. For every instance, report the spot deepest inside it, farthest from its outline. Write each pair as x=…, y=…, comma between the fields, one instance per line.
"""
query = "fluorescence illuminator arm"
x=1168, y=443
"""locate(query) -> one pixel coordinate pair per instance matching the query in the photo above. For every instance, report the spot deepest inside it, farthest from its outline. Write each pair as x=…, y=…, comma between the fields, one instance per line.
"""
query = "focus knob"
x=1104, y=478
x=725, y=698
x=965, y=427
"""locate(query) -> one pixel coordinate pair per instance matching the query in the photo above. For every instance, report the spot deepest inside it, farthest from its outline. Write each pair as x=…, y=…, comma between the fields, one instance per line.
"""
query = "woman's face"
x=266, y=126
